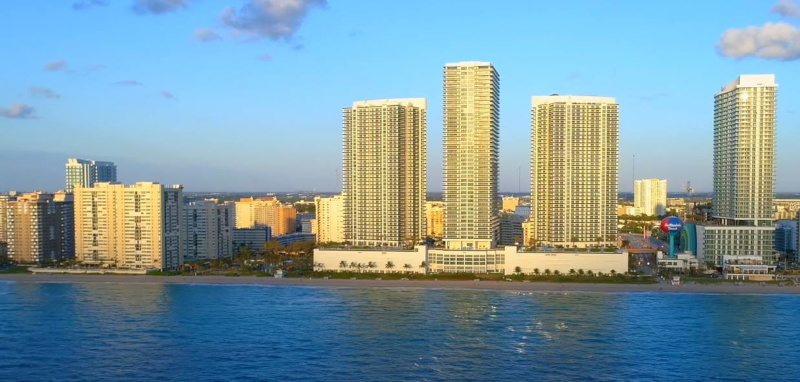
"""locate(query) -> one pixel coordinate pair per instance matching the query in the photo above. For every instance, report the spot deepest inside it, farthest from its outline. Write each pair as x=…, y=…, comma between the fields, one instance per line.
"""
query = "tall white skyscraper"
x=744, y=170
x=650, y=196
x=471, y=155
x=88, y=172
x=384, y=171
x=209, y=230
x=574, y=170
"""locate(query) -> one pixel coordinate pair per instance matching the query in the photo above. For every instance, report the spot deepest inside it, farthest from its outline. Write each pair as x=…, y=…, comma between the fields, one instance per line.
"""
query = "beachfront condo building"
x=650, y=196
x=384, y=171
x=39, y=227
x=135, y=227
x=742, y=221
x=471, y=129
x=574, y=170
x=510, y=203
x=4, y=199
x=209, y=230
x=266, y=212
x=434, y=217
x=88, y=172
x=328, y=224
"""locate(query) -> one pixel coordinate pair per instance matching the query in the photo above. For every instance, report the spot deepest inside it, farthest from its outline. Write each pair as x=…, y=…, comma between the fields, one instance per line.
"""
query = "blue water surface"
x=153, y=332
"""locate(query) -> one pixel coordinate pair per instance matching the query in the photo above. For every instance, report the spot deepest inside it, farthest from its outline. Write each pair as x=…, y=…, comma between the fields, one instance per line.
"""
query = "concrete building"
x=252, y=238
x=511, y=232
x=523, y=210
x=132, y=227
x=4, y=199
x=744, y=170
x=650, y=196
x=471, y=155
x=266, y=212
x=209, y=230
x=384, y=171
x=434, y=217
x=574, y=170
x=510, y=203
x=88, y=172
x=329, y=222
x=752, y=268
x=503, y=260
x=40, y=227
x=628, y=210
x=785, y=209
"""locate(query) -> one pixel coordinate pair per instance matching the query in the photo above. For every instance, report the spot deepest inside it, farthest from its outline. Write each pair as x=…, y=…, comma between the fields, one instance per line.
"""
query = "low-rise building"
x=379, y=260
x=752, y=268
x=305, y=222
x=510, y=203
x=682, y=262
x=295, y=237
x=252, y=238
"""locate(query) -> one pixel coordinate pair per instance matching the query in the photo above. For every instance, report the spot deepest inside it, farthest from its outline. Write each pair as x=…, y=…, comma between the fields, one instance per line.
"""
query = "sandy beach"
x=725, y=288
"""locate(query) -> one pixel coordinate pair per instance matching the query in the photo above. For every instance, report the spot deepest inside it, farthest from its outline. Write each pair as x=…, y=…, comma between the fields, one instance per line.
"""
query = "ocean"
x=154, y=332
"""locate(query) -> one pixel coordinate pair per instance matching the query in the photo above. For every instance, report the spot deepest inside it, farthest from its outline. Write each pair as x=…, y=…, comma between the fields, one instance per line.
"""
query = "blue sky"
x=246, y=95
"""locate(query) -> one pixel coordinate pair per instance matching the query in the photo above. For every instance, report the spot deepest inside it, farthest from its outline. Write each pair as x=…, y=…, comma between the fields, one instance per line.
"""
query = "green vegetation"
x=14, y=270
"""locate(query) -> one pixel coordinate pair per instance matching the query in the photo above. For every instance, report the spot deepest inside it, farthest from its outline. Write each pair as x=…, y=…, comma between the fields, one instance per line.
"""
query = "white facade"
x=650, y=196
x=564, y=262
x=209, y=230
x=714, y=242
x=371, y=260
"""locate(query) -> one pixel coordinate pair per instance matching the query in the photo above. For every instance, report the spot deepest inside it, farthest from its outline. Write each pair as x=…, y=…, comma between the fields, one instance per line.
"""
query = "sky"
x=247, y=95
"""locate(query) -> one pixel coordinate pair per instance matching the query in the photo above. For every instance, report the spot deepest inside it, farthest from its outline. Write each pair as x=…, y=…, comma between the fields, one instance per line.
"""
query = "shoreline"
x=512, y=286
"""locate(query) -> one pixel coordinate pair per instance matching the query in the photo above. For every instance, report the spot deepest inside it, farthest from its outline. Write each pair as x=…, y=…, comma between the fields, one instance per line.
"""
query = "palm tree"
x=353, y=264
x=423, y=264
x=613, y=272
x=407, y=267
x=590, y=273
x=389, y=264
x=556, y=272
x=343, y=264
x=580, y=272
x=547, y=272
x=517, y=269
x=536, y=271
x=372, y=264
x=572, y=272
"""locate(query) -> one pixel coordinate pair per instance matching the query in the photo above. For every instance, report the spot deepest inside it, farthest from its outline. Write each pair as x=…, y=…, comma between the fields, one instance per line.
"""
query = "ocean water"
x=145, y=332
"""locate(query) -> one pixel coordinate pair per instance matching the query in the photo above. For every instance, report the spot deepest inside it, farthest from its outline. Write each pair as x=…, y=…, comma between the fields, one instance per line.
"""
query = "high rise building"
x=39, y=227
x=471, y=155
x=88, y=172
x=209, y=230
x=434, y=215
x=574, y=170
x=137, y=227
x=384, y=171
x=744, y=170
x=650, y=196
x=266, y=212
x=328, y=224
x=4, y=199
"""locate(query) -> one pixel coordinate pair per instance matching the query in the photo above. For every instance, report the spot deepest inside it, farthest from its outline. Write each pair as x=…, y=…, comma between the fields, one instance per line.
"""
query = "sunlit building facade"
x=384, y=171
x=471, y=155
x=650, y=196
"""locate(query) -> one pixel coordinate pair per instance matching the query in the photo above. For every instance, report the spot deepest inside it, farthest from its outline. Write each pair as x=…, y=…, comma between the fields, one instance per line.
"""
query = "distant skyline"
x=247, y=95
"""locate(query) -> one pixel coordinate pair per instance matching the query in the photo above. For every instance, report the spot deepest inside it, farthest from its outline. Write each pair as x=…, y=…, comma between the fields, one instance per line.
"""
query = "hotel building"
x=384, y=171
x=434, y=217
x=88, y=172
x=744, y=171
x=266, y=212
x=328, y=224
x=574, y=170
x=136, y=227
x=209, y=230
x=650, y=196
x=471, y=148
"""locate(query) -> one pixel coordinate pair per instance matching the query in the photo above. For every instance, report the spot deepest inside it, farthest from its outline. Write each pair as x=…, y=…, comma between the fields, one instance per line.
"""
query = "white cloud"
x=18, y=111
x=273, y=19
x=205, y=35
x=773, y=41
x=44, y=93
x=55, y=66
x=156, y=7
x=786, y=8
